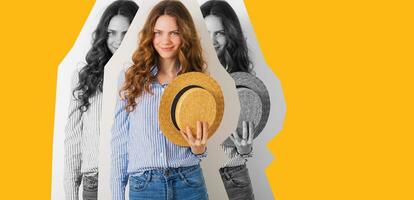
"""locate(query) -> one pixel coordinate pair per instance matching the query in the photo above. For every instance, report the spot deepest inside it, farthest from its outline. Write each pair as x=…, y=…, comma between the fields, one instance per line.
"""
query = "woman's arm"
x=73, y=136
x=119, y=146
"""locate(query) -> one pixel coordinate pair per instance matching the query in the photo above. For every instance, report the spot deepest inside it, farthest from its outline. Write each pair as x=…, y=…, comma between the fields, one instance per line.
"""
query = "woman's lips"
x=167, y=48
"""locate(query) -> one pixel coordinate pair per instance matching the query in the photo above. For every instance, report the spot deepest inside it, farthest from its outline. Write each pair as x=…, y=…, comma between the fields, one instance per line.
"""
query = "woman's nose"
x=118, y=39
x=213, y=38
x=166, y=39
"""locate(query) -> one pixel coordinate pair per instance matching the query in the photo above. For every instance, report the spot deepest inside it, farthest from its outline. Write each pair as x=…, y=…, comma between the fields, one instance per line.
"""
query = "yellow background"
x=346, y=68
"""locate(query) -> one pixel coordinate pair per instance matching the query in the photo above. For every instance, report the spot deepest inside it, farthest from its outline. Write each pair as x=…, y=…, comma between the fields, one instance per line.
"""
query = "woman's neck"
x=167, y=70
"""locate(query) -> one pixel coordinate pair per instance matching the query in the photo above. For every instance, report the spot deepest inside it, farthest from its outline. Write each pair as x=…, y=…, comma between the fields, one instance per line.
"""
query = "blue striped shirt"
x=137, y=142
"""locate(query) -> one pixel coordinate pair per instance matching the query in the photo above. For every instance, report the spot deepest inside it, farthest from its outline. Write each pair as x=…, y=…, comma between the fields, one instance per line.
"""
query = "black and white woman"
x=82, y=128
x=231, y=48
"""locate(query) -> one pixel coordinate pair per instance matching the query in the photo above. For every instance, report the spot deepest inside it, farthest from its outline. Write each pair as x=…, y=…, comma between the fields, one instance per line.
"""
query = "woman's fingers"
x=199, y=130
x=245, y=131
x=233, y=138
x=184, y=135
x=190, y=135
x=251, y=133
x=199, y=142
x=236, y=136
x=205, y=133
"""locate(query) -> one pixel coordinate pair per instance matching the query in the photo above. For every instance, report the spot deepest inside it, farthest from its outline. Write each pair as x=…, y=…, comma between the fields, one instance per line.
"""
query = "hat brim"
x=247, y=80
x=182, y=81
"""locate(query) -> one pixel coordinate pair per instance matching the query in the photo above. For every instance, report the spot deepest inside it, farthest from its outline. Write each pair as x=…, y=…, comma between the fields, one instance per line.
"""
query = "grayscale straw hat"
x=188, y=98
x=254, y=103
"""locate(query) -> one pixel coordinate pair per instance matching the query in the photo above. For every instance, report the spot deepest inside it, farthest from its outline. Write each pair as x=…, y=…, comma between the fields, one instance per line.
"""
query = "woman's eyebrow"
x=157, y=30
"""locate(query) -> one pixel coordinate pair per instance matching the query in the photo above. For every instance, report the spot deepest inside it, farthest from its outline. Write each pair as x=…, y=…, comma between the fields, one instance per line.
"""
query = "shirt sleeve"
x=119, y=147
x=72, y=145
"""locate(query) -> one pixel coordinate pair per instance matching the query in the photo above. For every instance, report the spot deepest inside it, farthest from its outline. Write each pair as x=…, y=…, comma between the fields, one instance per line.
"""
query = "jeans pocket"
x=138, y=182
x=193, y=178
x=90, y=183
x=239, y=181
x=239, y=177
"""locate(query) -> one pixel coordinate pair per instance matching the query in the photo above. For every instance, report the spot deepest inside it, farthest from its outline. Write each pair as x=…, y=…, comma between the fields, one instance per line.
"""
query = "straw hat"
x=254, y=103
x=189, y=98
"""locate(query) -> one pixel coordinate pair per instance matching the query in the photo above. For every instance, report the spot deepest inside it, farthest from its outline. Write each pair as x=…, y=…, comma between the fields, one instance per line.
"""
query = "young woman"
x=82, y=129
x=231, y=48
x=156, y=168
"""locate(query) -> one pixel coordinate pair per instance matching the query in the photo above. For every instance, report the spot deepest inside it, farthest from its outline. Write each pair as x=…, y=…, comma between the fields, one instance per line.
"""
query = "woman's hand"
x=244, y=145
x=199, y=143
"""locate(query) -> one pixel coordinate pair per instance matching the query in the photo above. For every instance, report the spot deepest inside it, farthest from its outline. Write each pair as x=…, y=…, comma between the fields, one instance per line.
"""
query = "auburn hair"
x=138, y=77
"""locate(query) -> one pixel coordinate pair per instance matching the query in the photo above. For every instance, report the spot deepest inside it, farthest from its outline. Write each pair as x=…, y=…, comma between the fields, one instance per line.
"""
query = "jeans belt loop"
x=226, y=174
x=149, y=175
x=181, y=174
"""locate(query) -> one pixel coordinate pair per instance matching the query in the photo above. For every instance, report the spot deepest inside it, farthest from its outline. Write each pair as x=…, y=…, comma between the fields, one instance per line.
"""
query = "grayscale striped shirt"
x=81, y=141
x=233, y=157
x=137, y=142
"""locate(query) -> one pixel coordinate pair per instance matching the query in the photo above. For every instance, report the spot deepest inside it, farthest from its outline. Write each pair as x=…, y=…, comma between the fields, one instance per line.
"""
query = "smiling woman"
x=155, y=167
x=166, y=37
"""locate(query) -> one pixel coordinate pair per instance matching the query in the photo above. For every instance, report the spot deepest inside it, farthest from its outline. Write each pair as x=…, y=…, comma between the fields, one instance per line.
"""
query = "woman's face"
x=217, y=34
x=117, y=28
x=167, y=40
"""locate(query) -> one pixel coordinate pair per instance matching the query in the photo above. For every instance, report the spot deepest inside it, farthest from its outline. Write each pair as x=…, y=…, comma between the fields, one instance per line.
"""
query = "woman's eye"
x=157, y=33
x=175, y=33
x=111, y=33
x=220, y=33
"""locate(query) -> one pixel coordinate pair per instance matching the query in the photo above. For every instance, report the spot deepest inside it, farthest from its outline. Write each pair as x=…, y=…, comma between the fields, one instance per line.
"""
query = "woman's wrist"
x=198, y=151
x=243, y=152
x=202, y=155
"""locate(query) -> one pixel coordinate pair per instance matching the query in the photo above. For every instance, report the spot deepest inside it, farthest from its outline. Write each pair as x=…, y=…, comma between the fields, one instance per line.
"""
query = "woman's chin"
x=167, y=55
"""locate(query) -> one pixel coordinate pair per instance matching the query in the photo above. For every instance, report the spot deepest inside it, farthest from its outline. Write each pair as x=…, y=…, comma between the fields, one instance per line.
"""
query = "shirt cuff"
x=248, y=155
x=200, y=156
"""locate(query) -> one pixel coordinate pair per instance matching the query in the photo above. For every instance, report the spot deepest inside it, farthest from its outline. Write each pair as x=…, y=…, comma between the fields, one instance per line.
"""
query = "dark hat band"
x=175, y=101
x=242, y=86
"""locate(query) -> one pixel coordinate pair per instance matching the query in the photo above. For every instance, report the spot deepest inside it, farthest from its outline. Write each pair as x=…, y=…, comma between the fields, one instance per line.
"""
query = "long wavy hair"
x=138, y=77
x=91, y=75
x=235, y=56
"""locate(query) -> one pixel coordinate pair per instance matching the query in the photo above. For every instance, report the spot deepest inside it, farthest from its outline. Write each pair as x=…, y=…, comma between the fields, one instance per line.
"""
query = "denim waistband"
x=232, y=169
x=168, y=172
x=228, y=172
x=90, y=174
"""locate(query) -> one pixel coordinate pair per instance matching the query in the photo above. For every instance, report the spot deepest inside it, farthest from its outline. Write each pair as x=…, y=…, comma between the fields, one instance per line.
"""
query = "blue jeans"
x=183, y=183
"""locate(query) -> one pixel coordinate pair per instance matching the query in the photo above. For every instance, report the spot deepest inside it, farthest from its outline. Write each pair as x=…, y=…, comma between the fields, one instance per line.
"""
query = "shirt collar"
x=154, y=70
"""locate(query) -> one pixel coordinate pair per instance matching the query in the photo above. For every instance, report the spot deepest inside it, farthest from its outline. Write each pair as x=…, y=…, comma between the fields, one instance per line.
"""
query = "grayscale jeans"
x=90, y=186
x=237, y=183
